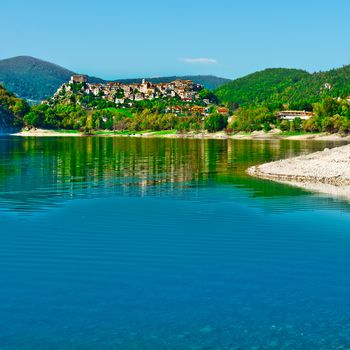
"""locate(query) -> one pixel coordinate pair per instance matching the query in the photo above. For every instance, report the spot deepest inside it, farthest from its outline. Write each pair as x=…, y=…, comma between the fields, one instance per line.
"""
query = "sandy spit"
x=325, y=172
x=43, y=133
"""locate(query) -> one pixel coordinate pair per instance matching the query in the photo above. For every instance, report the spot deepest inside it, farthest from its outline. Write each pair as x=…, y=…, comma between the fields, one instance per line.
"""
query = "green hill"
x=317, y=86
x=31, y=78
x=296, y=88
x=260, y=86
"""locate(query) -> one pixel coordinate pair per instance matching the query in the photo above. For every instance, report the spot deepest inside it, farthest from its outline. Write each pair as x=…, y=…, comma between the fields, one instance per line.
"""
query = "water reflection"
x=38, y=173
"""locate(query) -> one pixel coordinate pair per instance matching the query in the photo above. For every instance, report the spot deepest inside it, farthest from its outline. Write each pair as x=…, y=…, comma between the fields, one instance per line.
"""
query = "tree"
x=297, y=124
x=215, y=122
x=33, y=118
x=207, y=94
x=20, y=109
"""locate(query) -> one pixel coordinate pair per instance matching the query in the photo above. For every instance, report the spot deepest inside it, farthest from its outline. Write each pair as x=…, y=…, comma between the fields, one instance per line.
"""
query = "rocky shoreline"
x=325, y=172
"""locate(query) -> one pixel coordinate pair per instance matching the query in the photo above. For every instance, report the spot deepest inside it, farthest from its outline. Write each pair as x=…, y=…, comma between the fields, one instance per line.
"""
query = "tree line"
x=330, y=115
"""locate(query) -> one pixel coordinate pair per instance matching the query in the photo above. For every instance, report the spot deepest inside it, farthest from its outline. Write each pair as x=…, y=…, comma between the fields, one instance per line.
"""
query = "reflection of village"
x=144, y=166
x=96, y=167
x=120, y=93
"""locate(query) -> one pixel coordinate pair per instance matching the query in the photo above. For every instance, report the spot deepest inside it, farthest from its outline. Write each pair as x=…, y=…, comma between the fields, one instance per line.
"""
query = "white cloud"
x=200, y=60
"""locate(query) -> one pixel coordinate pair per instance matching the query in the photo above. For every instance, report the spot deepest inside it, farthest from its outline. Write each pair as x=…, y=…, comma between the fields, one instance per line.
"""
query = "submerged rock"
x=206, y=329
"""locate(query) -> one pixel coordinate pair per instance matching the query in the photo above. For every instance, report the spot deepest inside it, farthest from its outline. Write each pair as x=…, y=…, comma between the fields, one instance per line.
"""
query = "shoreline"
x=257, y=135
x=326, y=172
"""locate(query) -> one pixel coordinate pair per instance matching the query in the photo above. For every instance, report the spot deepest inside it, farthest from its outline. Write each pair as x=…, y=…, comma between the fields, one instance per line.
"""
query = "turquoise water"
x=111, y=243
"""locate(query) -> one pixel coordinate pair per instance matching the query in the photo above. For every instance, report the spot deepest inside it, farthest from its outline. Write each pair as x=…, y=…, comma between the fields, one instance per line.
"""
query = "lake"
x=131, y=243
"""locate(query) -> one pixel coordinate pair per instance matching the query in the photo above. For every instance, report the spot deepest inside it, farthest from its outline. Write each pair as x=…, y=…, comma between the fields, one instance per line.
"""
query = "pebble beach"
x=325, y=172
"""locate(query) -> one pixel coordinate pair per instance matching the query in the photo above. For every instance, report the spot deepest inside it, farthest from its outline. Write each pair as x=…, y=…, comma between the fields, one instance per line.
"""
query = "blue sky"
x=115, y=39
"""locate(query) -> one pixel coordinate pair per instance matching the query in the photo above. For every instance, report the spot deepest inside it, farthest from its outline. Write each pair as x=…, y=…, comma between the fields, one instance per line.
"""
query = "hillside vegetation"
x=12, y=110
x=286, y=88
x=318, y=86
x=260, y=86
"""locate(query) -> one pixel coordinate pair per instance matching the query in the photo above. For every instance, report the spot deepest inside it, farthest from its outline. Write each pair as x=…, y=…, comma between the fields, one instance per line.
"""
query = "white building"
x=291, y=115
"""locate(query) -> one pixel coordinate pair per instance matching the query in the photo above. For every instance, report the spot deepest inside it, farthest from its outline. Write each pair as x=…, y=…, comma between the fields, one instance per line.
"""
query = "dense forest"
x=259, y=87
x=286, y=88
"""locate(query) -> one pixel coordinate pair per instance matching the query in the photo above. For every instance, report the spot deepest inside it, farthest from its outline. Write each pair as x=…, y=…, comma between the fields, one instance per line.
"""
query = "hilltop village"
x=180, y=97
x=118, y=107
x=120, y=93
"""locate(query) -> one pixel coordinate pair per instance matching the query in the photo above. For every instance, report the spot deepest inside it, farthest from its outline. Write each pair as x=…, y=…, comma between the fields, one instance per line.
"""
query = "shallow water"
x=121, y=243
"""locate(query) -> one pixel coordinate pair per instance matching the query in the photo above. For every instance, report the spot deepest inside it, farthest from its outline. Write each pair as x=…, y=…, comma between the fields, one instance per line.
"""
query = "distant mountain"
x=35, y=79
x=295, y=88
x=211, y=82
x=32, y=78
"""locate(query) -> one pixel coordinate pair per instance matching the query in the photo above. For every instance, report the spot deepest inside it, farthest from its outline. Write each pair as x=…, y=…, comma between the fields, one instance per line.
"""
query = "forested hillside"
x=260, y=86
x=286, y=88
x=316, y=87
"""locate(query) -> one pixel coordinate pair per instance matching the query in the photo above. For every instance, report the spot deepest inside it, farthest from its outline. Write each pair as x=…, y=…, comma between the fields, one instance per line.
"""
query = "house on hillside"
x=95, y=89
x=139, y=96
x=291, y=115
x=223, y=110
x=145, y=87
